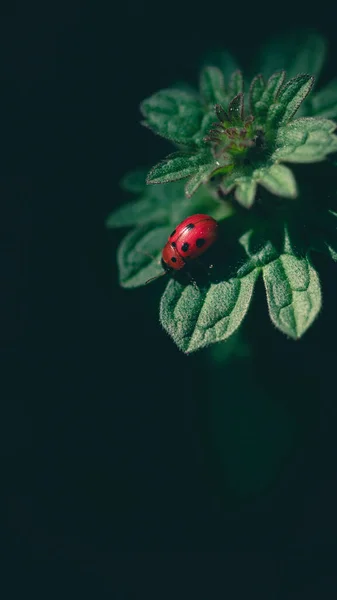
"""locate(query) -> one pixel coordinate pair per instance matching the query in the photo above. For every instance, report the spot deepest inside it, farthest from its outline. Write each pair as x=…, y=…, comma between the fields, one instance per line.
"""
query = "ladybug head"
x=171, y=259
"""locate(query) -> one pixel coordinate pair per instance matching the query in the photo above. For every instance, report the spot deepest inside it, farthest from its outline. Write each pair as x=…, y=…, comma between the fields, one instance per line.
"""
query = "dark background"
x=116, y=487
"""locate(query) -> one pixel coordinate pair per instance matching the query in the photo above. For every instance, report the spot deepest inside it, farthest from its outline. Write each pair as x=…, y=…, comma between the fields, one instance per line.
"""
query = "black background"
x=113, y=489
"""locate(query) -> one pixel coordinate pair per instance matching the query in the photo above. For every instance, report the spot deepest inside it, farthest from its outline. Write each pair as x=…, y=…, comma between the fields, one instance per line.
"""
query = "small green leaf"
x=212, y=86
x=235, y=109
x=134, y=181
x=324, y=102
x=174, y=114
x=196, y=318
x=290, y=96
x=293, y=294
x=245, y=191
x=144, y=210
x=305, y=140
x=153, y=206
x=139, y=254
x=178, y=166
x=279, y=180
x=206, y=125
x=202, y=176
x=269, y=95
x=235, y=84
x=255, y=93
x=166, y=204
x=296, y=52
x=262, y=245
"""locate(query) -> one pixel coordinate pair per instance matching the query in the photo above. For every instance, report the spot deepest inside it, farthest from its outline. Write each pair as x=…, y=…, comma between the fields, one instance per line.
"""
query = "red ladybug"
x=190, y=239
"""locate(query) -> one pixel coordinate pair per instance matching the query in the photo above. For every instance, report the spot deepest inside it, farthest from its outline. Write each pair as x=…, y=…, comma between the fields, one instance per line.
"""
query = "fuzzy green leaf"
x=148, y=208
x=167, y=204
x=196, y=318
x=269, y=95
x=202, y=176
x=135, y=263
x=178, y=166
x=296, y=52
x=245, y=191
x=235, y=109
x=324, y=102
x=262, y=245
x=155, y=205
x=290, y=96
x=255, y=92
x=174, y=114
x=305, y=140
x=206, y=125
x=235, y=84
x=279, y=180
x=293, y=294
x=212, y=86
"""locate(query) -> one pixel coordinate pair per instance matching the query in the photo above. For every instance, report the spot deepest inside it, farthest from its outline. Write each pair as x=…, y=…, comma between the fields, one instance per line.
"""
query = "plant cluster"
x=238, y=158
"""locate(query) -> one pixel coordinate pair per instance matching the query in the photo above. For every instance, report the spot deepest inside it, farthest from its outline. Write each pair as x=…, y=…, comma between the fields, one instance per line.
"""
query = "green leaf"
x=144, y=210
x=262, y=245
x=167, y=204
x=255, y=92
x=206, y=124
x=174, y=114
x=212, y=86
x=136, y=265
x=290, y=96
x=293, y=294
x=155, y=205
x=269, y=95
x=235, y=109
x=196, y=318
x=202, y=176
x=179, y=165
x=278, y=179
x=235, y=84
x=324, y=102
x=296, y=52
x=134, y=181
x=305, y=140
x=245, y=191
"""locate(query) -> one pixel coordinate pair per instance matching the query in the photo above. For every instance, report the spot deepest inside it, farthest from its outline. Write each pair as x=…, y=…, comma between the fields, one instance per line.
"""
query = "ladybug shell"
x=189, y=241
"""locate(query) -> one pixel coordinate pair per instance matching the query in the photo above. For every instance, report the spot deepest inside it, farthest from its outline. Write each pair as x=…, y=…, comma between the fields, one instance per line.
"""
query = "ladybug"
x=190, y=239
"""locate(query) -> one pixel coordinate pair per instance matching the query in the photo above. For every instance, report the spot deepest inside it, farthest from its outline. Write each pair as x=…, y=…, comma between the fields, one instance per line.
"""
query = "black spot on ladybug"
x=173, y=244
x=185, y=247
x=173, y=232
x=173, y=259
x=200, y=242
x=190, y=226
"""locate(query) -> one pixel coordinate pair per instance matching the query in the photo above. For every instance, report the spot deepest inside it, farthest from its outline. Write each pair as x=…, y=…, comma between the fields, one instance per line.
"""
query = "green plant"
x=243, y=159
